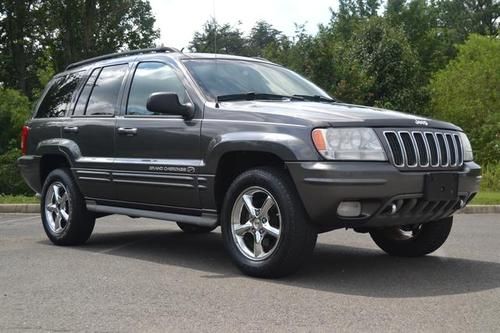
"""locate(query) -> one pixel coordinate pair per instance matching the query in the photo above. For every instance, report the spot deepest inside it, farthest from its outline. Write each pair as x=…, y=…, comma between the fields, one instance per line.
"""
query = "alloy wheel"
x=256, y=223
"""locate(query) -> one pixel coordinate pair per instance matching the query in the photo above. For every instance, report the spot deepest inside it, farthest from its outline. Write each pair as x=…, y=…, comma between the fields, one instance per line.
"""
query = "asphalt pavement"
x=142, y=275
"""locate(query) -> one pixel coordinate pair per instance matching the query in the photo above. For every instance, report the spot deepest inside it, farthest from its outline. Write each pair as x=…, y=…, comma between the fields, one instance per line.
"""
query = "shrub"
x=491, y=178
x=11, y=181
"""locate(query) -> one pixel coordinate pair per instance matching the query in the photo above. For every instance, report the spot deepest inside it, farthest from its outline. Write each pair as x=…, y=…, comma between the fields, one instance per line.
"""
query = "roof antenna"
x=214, y=20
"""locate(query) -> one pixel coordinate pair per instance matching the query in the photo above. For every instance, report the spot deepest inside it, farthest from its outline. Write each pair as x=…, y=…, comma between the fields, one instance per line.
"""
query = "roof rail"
x=121, y=54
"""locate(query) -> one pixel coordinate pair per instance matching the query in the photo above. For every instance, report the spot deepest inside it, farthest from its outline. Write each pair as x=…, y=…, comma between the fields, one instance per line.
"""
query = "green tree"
x=64, y=31
x=381, y=54
x=80, y=29
x=264, y=36
x=467, y=93
x=20, y=34
x=217, y=38
x=14, y=111
x=464, y=17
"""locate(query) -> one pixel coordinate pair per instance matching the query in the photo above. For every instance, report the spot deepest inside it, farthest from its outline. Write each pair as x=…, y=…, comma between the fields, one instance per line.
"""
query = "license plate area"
x=441, y=186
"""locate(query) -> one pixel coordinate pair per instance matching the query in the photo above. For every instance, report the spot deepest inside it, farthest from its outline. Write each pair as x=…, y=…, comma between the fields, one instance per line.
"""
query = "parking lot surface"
x=145, y=275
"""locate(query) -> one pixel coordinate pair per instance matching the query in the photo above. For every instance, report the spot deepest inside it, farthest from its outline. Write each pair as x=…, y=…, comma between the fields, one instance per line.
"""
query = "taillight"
x=24, y=139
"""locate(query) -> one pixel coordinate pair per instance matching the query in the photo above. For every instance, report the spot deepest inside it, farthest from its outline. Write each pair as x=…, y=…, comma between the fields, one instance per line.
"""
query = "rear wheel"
x=264, y=226
x=65, y=218
x=413, y=240
x=195, y=229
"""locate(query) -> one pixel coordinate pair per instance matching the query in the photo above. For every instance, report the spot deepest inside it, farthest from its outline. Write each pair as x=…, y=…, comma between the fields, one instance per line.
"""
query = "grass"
x=486, y=198
x=482, y=198
x=18, y=199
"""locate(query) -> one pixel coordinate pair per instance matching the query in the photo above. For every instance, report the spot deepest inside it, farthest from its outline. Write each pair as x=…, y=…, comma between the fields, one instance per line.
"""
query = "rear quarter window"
x=58, y=96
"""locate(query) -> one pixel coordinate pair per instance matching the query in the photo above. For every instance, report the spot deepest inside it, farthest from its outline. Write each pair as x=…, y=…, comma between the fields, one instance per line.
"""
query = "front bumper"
x=377, y=185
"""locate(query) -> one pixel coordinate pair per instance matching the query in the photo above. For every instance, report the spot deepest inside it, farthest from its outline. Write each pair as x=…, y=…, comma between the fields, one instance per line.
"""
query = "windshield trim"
x=250, y=60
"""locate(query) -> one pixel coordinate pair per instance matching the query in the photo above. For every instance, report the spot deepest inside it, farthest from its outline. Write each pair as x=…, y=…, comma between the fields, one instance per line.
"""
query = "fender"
x=59, y=146
x=285, y=146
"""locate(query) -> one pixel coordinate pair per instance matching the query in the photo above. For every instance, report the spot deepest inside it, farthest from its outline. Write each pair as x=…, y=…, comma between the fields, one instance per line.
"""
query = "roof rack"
x=121, y=54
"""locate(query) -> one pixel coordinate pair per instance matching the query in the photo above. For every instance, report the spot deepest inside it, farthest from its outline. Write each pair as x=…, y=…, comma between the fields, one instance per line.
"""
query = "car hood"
x=330, y=114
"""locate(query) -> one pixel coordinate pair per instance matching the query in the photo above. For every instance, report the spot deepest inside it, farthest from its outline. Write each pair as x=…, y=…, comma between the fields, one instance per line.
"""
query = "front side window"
x=225, y=77
x=58, y=96
x=151, y=77
x=103, y=100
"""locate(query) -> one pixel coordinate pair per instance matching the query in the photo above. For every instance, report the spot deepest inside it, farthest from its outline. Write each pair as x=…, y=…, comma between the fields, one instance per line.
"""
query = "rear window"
x=58, y=96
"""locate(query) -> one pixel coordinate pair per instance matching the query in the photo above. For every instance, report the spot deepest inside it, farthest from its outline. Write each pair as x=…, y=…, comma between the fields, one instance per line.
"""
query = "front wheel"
x=413, y=240
x=65, y=218
x=264, y=226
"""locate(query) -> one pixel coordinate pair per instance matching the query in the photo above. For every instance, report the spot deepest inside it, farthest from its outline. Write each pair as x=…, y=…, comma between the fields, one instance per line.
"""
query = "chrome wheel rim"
x=57, y=207
x=256, y=223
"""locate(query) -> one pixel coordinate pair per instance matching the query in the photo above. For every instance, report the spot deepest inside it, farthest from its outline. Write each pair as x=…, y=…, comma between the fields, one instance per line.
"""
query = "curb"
x=20, y=208
x=35, y=208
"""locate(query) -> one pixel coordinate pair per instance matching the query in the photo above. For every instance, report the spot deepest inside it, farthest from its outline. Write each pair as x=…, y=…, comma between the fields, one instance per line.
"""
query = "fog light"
x=349, y=209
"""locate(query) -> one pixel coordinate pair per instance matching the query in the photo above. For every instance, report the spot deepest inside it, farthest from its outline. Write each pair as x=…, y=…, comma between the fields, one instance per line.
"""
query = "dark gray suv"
x=207, y=140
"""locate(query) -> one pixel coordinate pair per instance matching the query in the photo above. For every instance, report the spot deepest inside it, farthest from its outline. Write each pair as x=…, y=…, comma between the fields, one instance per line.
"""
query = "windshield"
x=223, y=77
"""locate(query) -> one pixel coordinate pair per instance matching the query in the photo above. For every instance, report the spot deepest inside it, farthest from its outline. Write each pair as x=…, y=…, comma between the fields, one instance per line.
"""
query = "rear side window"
x=58, y=97
x=103, y=100
x=81, y=104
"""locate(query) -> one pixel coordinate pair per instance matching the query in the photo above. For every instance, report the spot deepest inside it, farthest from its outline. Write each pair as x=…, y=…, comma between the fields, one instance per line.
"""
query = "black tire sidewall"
x=79, y=221
x=431, y=237
x=293, y=222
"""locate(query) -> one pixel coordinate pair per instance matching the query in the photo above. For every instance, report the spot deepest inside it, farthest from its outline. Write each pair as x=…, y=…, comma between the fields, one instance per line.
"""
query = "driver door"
x=156, y=156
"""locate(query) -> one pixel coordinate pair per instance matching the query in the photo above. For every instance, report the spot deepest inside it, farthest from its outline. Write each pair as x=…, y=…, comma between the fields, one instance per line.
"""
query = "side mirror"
x=168, y=103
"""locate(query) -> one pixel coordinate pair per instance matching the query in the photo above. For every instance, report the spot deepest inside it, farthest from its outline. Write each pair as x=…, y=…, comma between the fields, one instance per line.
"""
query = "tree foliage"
x=54, y=33
x=14, y=110
x=467, y=93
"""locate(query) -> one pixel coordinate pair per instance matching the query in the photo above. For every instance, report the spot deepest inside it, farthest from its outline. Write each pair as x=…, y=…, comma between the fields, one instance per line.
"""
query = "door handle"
x=70, y=129
x=127, y=130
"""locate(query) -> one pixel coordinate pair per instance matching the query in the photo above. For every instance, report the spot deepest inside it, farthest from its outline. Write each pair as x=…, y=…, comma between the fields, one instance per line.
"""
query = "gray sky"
x=179, y=19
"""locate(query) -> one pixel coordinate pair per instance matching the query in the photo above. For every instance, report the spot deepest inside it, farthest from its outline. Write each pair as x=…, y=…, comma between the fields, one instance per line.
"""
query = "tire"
x=75, y=222
x=424, y=239
x=194, y=229
x=280, y=238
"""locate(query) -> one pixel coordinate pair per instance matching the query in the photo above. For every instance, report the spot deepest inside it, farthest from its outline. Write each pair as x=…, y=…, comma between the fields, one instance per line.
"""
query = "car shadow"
x=333, y=268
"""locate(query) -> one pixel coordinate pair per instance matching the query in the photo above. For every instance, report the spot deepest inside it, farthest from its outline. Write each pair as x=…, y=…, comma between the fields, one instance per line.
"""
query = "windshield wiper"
x=251, y=96
x=315, y=98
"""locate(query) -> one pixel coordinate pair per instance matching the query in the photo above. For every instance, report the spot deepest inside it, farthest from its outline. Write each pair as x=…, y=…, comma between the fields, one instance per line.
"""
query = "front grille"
x=424, y=149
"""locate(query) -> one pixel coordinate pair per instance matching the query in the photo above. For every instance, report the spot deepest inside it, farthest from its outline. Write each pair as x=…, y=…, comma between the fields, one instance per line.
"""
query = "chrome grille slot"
x=397, y=152
x=433, y=149
x=411, y=155
x=443, y=150
x=451, y=149
x=460, y=156
x=424, y=149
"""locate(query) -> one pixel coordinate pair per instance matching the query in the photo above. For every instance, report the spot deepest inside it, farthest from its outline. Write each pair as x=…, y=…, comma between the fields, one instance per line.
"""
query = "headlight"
x=348, y=144
x=468, y=156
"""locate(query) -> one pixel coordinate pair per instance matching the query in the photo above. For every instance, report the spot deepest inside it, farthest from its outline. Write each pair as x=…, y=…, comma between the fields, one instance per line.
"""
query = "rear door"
x=156, y=156
x=91, y=128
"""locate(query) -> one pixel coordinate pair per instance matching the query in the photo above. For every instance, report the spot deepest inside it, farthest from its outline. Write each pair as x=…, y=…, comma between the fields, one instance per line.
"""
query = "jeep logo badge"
x=421, y=122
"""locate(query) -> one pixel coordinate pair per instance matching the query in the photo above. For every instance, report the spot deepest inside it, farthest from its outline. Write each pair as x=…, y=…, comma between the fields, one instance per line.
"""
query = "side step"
x=205, y=220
